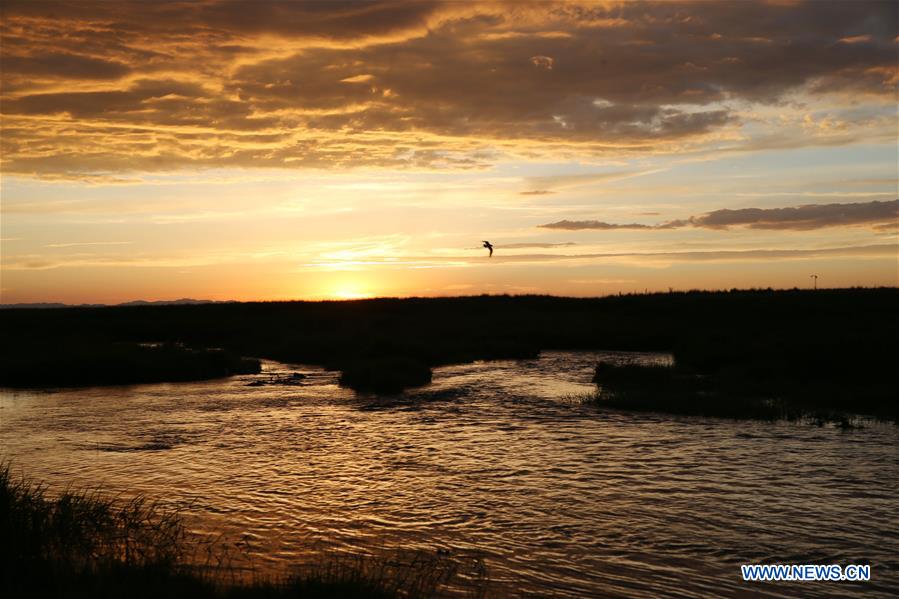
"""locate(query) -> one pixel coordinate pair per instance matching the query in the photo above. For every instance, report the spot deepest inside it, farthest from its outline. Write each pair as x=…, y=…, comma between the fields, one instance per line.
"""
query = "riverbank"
x=80, y=363
x=787, y=343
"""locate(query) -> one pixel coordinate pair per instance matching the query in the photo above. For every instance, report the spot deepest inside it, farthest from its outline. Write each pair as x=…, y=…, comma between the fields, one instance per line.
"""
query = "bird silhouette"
x=489, y=246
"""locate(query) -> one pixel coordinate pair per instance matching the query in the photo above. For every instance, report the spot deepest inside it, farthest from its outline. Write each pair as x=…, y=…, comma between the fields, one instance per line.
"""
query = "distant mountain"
x=48, y=305
x=177, y=302
x=183, y=300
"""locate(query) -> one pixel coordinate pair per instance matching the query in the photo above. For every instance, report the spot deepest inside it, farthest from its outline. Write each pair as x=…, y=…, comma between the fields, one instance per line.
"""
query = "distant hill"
x=182, y=301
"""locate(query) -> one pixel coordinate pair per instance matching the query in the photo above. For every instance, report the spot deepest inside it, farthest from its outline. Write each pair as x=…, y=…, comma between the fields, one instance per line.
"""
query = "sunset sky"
x=286, y=150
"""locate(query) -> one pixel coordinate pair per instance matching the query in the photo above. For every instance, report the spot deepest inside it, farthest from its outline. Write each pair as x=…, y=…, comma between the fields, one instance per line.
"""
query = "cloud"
x=855, y=39
x=84, y=243
x=662, y=257
x=353, y=260
x=519, y=246
x=577, y=225
x=798, y=218
x=544, y=185
x=542, y=62
x=96, y=87
x=65, y=65
x=600, y=281
x=809, y=216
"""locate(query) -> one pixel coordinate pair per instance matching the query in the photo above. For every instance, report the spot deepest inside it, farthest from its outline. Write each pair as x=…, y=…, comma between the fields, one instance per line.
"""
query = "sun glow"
x=149, y=163
x=349, y=290
x=346, y=294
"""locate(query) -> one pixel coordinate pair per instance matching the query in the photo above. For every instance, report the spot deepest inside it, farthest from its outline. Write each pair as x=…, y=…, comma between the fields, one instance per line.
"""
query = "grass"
x=727, y=393
x=121, y=363
x=389, y=374
x=79, y=543
x=664, y=389
x=83, y=544
x=829, y=347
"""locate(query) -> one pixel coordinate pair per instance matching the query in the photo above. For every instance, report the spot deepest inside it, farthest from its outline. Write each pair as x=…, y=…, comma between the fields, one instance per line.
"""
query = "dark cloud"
x=59, y=64
x=536, y=192
x=578, y=225
x=483, y=88
x=880, y=215
x=347, y=19
x=809, y=216
x=112, y=104
x=337, y=79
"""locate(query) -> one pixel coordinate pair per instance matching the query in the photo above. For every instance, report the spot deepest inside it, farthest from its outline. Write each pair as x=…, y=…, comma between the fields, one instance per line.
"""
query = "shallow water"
x=494, y=459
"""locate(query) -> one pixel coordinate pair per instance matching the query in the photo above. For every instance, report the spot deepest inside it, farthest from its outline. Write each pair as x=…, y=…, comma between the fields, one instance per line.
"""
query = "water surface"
x=494, y=459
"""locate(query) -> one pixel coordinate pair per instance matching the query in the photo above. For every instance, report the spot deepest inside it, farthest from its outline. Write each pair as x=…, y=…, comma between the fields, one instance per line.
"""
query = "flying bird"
x=489, y=246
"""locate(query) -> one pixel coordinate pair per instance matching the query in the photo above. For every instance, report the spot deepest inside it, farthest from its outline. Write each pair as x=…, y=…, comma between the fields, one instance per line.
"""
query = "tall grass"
x=84, y=544
x=78, y=542
x=657, y=388
x=390, y=374
x=84, y=363
x=83, y=529
x=834, y=347
x=674, y=390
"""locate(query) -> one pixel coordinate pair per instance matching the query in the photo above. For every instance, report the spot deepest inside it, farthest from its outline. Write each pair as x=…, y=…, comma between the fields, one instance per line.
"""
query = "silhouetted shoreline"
x=831, y=349
x=67, y=364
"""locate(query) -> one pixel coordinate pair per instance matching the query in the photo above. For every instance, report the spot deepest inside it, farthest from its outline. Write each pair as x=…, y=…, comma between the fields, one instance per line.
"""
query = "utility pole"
x=815, y=277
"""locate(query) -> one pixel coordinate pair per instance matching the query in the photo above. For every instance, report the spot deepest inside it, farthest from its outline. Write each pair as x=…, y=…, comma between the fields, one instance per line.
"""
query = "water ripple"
x=496, y=459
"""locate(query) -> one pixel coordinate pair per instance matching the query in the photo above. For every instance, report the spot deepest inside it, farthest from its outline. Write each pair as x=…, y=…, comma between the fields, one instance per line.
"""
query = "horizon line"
x=194, y=302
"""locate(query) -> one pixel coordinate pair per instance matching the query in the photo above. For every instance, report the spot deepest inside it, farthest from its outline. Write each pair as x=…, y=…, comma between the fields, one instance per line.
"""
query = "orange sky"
x=277, y=150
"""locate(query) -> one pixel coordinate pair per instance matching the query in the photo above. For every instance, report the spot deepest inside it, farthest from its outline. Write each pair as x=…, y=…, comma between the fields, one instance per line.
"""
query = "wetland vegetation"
x=754, y=353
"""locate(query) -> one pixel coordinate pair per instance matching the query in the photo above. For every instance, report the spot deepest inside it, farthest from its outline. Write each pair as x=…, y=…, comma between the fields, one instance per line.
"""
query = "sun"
x=349, y=290
x=349, y=294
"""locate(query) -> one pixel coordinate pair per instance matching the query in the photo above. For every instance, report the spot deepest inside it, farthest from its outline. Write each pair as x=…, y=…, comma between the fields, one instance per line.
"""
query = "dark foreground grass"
x=82, y=544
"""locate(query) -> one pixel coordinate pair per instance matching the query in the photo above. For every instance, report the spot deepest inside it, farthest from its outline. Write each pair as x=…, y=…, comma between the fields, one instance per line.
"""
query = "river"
x=500, y=461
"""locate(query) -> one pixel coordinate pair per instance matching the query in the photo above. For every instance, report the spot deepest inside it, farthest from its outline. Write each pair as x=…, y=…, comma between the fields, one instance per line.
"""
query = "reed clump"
x=84, y=544
x=389, y=374
x=661, y=388
x=81, y=541
x=727, y=393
